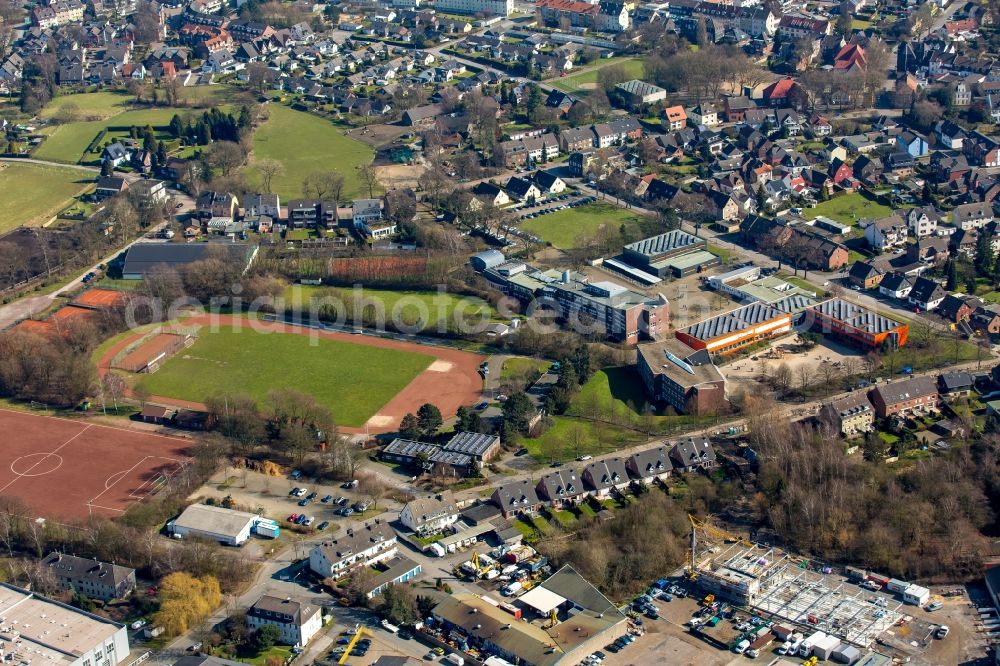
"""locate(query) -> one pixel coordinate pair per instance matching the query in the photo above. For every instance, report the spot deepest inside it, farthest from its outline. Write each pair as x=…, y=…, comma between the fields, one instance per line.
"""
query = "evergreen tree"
x=409, y=427
x=952, y=270
x=984, y=261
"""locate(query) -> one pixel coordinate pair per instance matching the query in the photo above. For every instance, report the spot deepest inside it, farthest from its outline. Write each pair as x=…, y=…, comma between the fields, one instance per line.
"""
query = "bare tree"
x=226, y=156
x=369, y=176
x=323, y=185
x=268, y=170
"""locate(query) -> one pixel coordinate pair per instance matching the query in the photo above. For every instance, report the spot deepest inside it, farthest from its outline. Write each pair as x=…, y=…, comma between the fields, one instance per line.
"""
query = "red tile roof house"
x=786, y=92
x=905, y=396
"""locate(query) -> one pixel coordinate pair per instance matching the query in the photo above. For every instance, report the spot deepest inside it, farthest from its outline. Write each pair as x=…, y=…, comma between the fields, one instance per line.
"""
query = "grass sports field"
x=412, y=305
x=305, y=143
x=354, y=380
x=585, y=80
x=31, y=193
x=848, y=209
x=567, y=228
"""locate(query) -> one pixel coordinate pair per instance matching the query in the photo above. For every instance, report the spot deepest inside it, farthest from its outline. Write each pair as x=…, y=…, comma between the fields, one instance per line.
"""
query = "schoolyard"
x=305, y=143
x=569, y=228
x=31, y=194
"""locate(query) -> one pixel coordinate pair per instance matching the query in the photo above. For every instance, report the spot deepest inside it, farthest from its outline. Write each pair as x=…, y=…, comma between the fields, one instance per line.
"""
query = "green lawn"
x=89, y=105
x=991, y=297
x=518, y=366
x=32, y=194
x=66, y=143
x=305, y=143
x=611, y=389
x=284, y=652
x=587, y=78
x=848, y=209
x=569, y=438
x=571, y=227
x=353, y=380
x=432, y=309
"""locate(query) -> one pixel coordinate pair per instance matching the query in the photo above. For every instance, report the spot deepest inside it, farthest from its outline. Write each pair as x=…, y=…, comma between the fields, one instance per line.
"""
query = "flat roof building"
x=142, y=258
x=48, y=632
x=682, y=377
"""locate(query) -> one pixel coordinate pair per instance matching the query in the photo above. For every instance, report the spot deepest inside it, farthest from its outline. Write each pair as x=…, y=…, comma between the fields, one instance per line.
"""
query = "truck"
x=455, y=659
x=806, y=648
x=391, y=628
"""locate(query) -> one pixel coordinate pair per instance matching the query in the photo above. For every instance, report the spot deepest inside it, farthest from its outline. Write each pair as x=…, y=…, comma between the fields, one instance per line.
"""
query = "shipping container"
x=876, y=578
x=856, y=575
x=825, y=647
x=512, y=609
x=805, y=650
x=782, y=632
x=762, y=641
x=916, y=595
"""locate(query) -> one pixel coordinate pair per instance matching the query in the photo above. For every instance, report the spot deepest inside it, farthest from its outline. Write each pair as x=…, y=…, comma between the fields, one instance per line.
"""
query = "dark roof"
x=143, y=257
x=84, y=569
x=693, y=451
x=926, y=290
x=905, y=390
x=651, y=462
x=950, y=381
x=515, y=495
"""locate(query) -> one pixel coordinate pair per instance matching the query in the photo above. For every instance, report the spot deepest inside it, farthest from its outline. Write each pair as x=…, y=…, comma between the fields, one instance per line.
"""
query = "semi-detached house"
x=905, y=396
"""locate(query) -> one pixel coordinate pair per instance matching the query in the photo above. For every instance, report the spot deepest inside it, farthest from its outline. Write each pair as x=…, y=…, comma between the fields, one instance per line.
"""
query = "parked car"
x=933, y=606
x=304, y=501
x=327, y=499
x=292, y=518
x=295, y=475
x=322, y=526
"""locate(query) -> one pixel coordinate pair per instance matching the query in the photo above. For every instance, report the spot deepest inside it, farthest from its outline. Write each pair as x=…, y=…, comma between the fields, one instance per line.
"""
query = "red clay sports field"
x=68, y=470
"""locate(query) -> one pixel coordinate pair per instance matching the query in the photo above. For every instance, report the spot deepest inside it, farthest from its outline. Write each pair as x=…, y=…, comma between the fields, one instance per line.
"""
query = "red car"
x=292, y=518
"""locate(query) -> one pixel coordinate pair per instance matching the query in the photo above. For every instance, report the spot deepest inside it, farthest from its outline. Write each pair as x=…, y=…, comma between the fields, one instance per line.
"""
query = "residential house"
x=357, y=547
x=605, y=477
x=985, y=320
x=693, y=454
x=650, y=465
x=887, y=232
x=912, y=143
x=675, y=118
x=262, y=204
x=922, y=221
x=972, y=215
x=853, y=414
x=549, y=183
x=704, y=114
x=110, y=186
x=981, y=149
x=516, y=497
x=904, y=396
x=926, y=294
x=211, y=204
x=895, y=285
x=561, y=488
x=957, y=307
x=957, y=383
x=116, y=154
x=490, y=193
x=91, y=578
x=429, y=515
x=933, y=250
x=522, y=189
x=949, y=135
x=865, y=275
x=297, y=620
x=868, y=170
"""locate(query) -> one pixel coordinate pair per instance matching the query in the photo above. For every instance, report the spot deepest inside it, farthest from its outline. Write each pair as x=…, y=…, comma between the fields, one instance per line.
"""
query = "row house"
x=982, y=150
x=57, y=13
x=906, y=396
x=532, y=150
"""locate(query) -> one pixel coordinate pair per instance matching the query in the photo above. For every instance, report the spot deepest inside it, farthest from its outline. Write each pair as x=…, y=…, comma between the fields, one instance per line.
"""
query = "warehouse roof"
x=667, y=242
x=142, y=258
x=214, y=520
x=471, y=443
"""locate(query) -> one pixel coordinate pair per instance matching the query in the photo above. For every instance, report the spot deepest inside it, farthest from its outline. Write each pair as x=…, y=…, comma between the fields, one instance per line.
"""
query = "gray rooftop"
x=733, y=321
x=856, y=316
x=663, y=243
x=214, y=519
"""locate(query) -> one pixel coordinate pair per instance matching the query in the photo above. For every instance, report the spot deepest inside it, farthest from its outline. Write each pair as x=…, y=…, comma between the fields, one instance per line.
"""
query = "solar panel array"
x=731, y=322
x=856, y=316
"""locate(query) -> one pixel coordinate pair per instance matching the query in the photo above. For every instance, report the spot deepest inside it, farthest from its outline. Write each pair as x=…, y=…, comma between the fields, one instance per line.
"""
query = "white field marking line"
x=131, y=431
x=118, y=476
x=21, y=476
x=44, y=456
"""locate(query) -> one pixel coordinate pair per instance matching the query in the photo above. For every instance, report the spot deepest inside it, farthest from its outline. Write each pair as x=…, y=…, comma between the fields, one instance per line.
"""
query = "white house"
x=922, y=221
x=363, y=546
x=366, y=211
x=887, y=232
x=297, y=620
x=972, y=215
x=429, y=515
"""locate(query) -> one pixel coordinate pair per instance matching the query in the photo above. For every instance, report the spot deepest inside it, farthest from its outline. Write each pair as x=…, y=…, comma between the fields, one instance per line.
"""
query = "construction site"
x=780, y=586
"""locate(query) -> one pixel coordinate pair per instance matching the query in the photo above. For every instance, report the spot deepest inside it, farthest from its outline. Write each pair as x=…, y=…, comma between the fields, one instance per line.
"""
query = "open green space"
x=569, y=438
x=353, y=380
x=33, y=193
x=587, y=78
x=431, y=308
x=571, y=227
x=67, y=142
x=305, y=143
x=519, y=366
x=610, y=390
x=848, y=209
